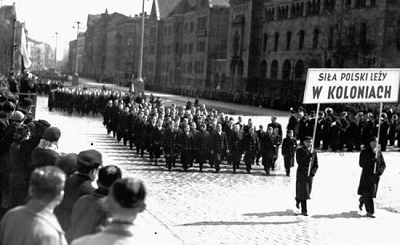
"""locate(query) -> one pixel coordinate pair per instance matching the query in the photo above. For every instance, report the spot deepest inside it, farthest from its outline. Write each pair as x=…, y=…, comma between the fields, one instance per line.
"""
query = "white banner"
x=352, y=86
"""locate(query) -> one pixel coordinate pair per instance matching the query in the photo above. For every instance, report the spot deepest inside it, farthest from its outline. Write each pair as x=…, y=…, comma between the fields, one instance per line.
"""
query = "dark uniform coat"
x=369, y=181
x=303, y=181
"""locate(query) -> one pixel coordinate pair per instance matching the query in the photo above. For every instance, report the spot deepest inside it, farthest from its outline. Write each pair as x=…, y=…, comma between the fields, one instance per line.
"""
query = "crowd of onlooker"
x=48, y=197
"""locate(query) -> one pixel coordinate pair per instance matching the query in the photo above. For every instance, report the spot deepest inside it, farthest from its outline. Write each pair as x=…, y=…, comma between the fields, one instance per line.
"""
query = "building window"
x=236, y=43
x=274, y=69
x=265, y=42
x=288, y=40
x=276, y=41
x=348, y=3
x=286, y=69
x=240, y=68
x=315, y=39
x=202, y=23
x=192, y=26
x=189, y=67
x=177, y=48
x=299, y=70
x=301, y=39
x=263, y=69
x=186, y=28
x=190, y=48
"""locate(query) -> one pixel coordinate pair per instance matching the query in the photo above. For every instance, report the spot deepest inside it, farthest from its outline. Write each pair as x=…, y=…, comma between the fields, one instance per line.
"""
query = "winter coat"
x=303, y=181
x=369, y=181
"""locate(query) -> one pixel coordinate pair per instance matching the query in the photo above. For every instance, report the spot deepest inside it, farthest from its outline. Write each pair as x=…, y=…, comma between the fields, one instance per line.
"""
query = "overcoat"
x=303, y=181
x=369, y=181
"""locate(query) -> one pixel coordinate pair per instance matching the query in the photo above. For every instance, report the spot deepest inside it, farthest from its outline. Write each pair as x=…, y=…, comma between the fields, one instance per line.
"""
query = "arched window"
x=276, y=41
x=274, y=69
x=315, y=39
x=301, y=39
x=240, y=68
x=288, y=40
x=263, y=69
x=236, y=43
x=286, y=68
x=299, y=70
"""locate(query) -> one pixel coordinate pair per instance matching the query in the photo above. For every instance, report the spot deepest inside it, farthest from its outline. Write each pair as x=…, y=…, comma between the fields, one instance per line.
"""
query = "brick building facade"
x=285, y=38
x=186, y=37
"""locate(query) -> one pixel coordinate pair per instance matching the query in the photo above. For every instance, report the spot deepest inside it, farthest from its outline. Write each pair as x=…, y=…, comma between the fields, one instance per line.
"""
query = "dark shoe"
x=304, y=214
x=267, y=172
x=370, y=215
x=297, y=205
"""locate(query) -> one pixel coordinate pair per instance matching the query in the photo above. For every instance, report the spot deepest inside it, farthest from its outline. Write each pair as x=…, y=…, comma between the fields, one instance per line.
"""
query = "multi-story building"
x=127, y=46
x=41, y=55
x=272, y=43
x=7, y=16
x=98, y=59
x=187, y=37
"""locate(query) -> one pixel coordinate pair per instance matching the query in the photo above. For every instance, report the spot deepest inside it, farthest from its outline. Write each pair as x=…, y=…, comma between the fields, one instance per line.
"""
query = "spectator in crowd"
x=46, y=153
x=18, y=169
x=79, y=184
x=124, y=202
x=88, y=216
x=68, y=163
x=35, y=222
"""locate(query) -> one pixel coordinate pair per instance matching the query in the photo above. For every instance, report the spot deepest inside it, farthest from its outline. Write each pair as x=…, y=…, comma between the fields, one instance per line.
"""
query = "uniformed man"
x=251, y=147
x=219, y=147
x=289, y=146
x=235, y=147
x=304, y=158
x=373, y=165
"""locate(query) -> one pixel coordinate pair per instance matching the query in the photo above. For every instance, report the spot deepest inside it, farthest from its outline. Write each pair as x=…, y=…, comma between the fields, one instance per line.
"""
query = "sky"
x=43, y=18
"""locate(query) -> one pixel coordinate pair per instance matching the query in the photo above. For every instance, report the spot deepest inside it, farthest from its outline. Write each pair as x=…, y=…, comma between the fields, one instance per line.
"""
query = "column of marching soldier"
x=196, y=134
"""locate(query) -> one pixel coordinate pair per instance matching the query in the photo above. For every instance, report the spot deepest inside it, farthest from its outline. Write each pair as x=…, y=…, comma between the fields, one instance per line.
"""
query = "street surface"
x=225, y=208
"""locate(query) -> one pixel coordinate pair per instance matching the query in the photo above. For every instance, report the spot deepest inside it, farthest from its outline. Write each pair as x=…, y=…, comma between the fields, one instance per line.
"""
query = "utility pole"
x=139, y=83
x=75, y=78
x=55, y=54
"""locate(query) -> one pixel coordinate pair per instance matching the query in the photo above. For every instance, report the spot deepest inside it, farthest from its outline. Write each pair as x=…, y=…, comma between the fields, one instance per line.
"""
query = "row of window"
x=196, y=67
x=311, y=7
x=187, y=27
x=287, y=74
x=351, y=35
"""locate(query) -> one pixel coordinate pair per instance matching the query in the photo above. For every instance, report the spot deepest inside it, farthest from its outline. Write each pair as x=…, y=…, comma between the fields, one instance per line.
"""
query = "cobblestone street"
x=225, y=208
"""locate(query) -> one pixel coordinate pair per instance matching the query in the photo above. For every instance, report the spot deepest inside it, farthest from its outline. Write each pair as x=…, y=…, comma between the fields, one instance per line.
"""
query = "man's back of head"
x=47, y=184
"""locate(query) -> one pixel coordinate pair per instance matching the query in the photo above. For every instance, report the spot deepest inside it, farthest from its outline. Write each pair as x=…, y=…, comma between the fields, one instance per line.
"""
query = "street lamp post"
x=55, y=54
x=75, y=78
x=139, y=83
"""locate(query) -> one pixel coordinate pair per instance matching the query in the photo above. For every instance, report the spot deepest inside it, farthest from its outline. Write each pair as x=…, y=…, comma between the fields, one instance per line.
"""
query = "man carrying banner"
x=304, y=158
x=373, y=165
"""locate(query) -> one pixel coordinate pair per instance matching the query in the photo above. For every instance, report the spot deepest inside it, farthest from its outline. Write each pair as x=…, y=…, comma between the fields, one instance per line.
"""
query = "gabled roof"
x=164, y=8
x=92, y=18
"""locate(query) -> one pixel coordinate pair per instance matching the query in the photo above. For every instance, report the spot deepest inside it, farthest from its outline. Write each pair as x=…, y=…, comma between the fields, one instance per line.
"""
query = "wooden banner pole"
x=378, y=135
x=313, y=139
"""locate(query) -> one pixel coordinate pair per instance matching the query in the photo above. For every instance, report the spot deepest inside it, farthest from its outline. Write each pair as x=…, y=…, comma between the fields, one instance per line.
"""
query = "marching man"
x=373, y=166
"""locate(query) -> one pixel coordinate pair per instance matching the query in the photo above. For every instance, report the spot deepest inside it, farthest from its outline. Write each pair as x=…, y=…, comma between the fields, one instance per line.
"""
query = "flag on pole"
x=24, y=51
